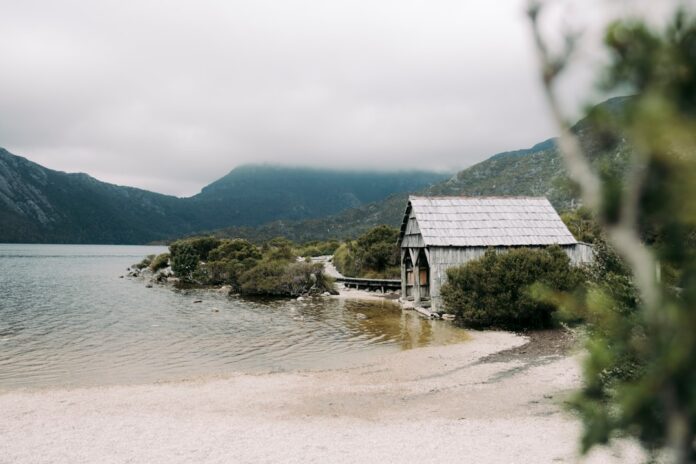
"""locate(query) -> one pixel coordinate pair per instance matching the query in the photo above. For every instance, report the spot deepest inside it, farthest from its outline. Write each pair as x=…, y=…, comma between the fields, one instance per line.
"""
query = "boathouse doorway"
x=418, y=276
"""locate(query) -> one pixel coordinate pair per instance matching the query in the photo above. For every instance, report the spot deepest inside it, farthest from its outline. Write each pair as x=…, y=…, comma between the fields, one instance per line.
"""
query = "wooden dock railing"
x=370, y=284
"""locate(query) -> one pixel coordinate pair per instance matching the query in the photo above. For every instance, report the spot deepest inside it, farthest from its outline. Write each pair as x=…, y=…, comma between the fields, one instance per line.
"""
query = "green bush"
x=227, y=262
x=316, y=248
x=278, y=249
x=185, y=261
x=277, y=278
x=378, y=248
x=494, y=290
x=145, y=262
x=237, y=250
x=159, y=262
x=374, y=254
x=344, y=260
x=201, y=246
x=582, y=224
x=271, y=270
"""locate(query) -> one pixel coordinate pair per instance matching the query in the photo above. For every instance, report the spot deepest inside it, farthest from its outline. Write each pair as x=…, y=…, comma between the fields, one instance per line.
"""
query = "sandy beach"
x=470, y=402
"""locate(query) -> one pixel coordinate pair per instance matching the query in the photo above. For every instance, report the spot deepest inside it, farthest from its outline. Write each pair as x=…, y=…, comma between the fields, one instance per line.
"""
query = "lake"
x=68, y=319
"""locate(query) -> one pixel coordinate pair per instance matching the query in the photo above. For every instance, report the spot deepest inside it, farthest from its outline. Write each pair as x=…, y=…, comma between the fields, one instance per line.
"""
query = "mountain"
x=40, y=205
x=536, y=171
x=254, y=195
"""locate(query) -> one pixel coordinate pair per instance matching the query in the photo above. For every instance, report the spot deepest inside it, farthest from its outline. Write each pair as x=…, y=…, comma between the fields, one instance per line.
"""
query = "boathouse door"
x=424, y=274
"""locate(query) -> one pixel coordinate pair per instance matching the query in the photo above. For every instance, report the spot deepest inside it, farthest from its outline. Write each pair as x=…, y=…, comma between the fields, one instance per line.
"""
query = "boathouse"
x=441, y=232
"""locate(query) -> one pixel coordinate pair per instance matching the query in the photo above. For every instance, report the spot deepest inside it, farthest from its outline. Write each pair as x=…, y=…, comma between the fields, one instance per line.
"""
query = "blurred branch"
x=623, y=235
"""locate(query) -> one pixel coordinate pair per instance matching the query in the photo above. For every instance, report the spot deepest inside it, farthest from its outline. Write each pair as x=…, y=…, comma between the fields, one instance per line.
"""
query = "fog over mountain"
x=167, y=95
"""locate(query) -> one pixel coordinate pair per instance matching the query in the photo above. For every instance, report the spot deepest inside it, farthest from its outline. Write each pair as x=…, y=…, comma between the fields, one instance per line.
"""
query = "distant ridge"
x=536, y=171
x=40, y=205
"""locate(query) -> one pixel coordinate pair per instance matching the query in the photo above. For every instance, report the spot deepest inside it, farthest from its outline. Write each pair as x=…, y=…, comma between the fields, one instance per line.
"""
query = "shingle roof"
x=487, y=221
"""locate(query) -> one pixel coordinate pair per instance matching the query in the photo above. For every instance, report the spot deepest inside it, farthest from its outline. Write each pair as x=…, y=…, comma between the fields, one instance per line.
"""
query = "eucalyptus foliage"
x=640, y=375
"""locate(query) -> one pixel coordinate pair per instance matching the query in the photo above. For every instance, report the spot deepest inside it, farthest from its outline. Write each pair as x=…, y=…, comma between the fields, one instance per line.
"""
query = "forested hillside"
x=46, y=206
x=537, y=171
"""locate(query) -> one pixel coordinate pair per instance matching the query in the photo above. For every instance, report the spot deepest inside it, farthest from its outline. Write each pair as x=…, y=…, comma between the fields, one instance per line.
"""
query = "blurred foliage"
x=375, y=254
x=640, y=374
x=496, y=289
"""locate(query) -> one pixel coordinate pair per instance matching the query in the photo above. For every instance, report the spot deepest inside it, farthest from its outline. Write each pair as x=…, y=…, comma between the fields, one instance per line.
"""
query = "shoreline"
x=434, y=404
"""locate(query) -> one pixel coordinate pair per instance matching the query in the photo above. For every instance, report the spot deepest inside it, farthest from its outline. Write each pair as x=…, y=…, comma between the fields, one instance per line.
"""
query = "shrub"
x=317, y=248
x=159, y=262
x=237, y=250
x=582, y=224
x=344, y=260
x=277, y=278
x=185, y=261
x=278, y=249
x=201, y=246
x=494, y=290
x=145, y=262
x=378, y=249
x=374, y=254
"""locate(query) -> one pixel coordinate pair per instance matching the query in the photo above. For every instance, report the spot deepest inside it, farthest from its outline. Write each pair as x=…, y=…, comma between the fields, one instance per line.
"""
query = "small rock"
x=215, y=310
x=300, y=298
x=326, y=294
x=148, y=286
x=360, y=316
x=198, y=301
x=120, y=277
x=448, y=317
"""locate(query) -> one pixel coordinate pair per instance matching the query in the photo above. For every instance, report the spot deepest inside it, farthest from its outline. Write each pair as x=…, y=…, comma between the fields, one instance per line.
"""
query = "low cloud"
x=171, y=95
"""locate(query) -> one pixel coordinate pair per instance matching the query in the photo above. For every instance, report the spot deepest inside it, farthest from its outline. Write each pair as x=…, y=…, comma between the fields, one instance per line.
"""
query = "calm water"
x=66, y=319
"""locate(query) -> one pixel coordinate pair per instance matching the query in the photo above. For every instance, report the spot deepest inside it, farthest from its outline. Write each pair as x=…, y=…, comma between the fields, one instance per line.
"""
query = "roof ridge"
x=479, y=197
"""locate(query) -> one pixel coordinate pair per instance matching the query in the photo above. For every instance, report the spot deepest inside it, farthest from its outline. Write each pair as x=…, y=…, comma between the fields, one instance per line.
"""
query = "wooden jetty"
x=370, y=284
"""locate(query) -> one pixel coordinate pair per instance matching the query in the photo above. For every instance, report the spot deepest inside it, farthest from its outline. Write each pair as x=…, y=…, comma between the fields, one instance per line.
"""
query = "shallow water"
x=67, y=319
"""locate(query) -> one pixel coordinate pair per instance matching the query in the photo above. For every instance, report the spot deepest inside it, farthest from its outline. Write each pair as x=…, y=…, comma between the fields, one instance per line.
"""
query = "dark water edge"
x=68, y=320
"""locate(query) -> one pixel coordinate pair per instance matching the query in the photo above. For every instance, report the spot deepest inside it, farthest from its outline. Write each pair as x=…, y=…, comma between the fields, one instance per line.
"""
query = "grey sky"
x=170, y=95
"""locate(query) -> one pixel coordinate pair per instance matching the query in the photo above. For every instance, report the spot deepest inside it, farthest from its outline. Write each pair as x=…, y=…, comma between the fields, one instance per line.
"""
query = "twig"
x=623, y=236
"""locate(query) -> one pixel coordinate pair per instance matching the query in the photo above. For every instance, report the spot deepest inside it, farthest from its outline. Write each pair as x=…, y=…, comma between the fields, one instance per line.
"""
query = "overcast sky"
x=171, y=95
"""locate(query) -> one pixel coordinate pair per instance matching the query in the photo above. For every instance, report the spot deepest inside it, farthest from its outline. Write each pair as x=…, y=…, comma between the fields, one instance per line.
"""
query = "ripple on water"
x=66, y=319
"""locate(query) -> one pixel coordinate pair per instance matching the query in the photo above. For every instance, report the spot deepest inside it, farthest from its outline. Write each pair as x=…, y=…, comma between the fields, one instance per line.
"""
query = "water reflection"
x=68, y=321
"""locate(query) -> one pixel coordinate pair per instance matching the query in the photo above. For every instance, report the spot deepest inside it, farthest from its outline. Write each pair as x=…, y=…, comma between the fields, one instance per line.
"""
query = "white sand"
x=431, y=405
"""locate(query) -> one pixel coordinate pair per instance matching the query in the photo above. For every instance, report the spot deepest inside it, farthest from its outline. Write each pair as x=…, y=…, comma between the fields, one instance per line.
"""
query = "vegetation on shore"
x=374, y=255
x=275, y=267
x=497, y=290
x=268, y=270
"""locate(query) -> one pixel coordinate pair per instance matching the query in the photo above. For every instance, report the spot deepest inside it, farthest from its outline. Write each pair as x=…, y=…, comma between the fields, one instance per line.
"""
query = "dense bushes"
x=185, y=259
x=159, y=262
x=316, y=248
x=144, y=263
x=494, y=291
x=271, y=269
x=374, y=254
x=278, y=279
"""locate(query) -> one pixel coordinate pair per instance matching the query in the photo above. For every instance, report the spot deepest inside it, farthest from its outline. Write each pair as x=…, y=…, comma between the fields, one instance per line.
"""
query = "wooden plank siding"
x=462, y=229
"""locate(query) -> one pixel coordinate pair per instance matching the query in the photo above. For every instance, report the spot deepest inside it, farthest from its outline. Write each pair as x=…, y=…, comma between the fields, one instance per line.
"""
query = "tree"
x=648, y=217
x=185, y=261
